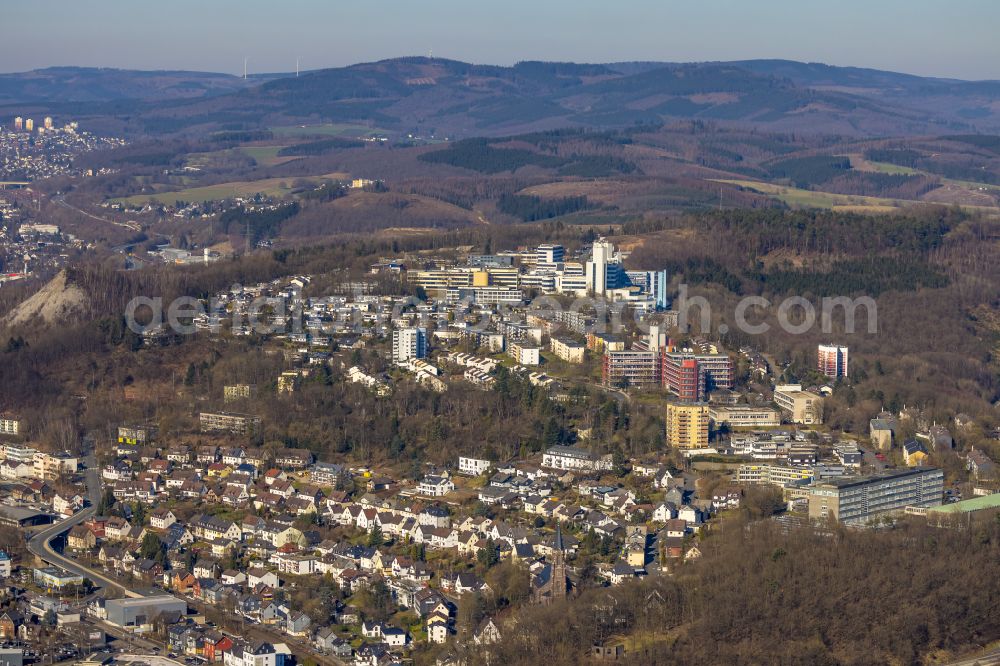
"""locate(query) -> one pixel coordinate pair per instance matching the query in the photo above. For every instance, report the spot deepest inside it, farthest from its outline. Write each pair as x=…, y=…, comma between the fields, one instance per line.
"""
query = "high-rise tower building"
x=832, y=360
x=408, y=343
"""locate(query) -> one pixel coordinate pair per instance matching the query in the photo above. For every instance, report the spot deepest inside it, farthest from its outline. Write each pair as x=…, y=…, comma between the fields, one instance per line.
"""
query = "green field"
x=796, y=197
x=885, y=167
x=329, y=129
x=276, y=187
x=266, y=155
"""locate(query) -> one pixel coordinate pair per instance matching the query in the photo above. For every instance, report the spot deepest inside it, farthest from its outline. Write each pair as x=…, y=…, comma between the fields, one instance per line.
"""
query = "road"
x=40, y=545
x=61, y=201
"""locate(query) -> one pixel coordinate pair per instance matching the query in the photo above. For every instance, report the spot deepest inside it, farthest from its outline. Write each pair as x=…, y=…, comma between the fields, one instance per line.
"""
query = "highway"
x=40, y=545
x=61, y=201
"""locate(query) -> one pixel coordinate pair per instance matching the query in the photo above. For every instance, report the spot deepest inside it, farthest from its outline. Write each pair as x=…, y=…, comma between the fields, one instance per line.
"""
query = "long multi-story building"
x=238, y=424
x=858, y=499
x=717, y=368
x=630, y=367
x=688, y=375
x=687, y=425
x=832, y=360
x=775, y=475
x=466, y=276
x=744, y=416
x=485, y=295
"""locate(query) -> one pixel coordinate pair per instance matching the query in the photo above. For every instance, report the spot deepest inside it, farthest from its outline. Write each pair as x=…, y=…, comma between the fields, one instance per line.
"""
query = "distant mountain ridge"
x=427, y=96
x=102, y=84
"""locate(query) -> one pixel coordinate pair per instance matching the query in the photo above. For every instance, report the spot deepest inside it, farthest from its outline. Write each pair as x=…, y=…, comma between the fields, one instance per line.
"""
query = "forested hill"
x=432, y=96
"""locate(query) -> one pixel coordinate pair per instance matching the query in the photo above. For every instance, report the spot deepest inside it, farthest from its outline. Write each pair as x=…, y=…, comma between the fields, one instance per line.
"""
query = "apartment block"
x=524, y=354
x=10, y=425
x=858, y=499
x=408, y=343
x=631, y=368
x=831, y=360
x=687, y=425
x=567, y=350
x=235, y=392
x=237, y=424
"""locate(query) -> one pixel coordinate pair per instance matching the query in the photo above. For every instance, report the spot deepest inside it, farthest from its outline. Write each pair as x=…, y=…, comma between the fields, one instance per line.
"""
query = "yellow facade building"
x=687, y=425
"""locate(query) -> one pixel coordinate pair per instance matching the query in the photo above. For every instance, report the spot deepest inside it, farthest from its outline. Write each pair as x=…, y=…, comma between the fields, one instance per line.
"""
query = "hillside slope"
x=437, y=97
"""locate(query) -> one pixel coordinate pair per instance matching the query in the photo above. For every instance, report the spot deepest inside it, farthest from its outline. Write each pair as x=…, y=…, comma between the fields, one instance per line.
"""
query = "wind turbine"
x=244, y=68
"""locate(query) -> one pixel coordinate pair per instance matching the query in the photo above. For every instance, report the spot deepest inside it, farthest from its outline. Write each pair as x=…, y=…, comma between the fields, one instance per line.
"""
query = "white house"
x=473, y=466
x=435, y=486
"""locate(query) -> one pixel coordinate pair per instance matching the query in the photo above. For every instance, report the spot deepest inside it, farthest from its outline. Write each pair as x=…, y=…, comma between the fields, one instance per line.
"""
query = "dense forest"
x=532, y=209
x=761, y=595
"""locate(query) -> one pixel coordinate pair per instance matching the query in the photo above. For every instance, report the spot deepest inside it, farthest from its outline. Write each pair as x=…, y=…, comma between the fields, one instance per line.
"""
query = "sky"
x=928, y=37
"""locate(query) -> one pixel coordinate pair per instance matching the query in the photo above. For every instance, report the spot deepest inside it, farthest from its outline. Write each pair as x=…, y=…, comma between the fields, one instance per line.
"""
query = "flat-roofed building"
x=139, y=614
x=786, y=475
x=631, y=368
x=524, y=354
x=743, y=416
x=473, y=466
x=136, y=435
x=10, y=425
x=567, y=350
x=804, y=407
x=53, y=578
x=237, y=424
x=235, y=392
x=687, y=425
x=857, y=499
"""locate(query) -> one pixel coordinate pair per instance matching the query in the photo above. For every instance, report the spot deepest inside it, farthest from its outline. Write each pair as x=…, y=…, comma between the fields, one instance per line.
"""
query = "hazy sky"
x=957, y=38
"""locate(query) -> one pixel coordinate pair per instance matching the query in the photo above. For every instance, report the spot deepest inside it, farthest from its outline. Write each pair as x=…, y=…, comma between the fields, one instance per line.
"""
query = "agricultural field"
x=275, y=187
x=266, y=155
x=346, y=130
x=799, y=198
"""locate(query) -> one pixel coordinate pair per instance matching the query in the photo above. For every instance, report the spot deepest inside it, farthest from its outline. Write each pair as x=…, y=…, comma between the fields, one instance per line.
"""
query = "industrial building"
x=139, y=614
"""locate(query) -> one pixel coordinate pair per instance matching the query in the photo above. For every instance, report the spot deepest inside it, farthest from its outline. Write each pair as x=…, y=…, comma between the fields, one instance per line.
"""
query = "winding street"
x=40, y=545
